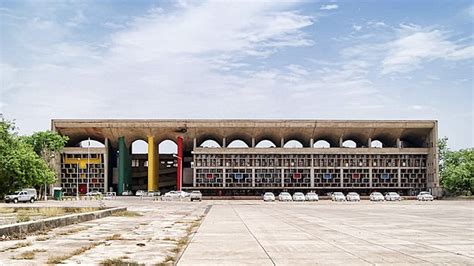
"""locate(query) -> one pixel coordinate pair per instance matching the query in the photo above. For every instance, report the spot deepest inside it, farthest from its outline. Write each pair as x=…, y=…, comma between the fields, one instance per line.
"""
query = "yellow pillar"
x=152, y=165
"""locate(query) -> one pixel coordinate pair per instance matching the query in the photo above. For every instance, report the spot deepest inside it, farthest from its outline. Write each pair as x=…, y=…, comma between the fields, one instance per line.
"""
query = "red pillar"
x=179, y=171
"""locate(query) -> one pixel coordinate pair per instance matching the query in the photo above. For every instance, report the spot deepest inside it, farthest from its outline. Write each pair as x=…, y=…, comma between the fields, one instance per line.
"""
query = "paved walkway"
x=326, y=233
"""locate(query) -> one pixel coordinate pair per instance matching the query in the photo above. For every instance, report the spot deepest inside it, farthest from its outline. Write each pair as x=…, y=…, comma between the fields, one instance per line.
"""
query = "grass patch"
x=42, y=238
x=114, y=237
x=22, y=245
x=119, y=262
x=27, y=255
x=127, y=214
x=72, y=231
x=7, y=210
x=60, y=259
x=37, y=250
x=169, y=239
x=23, y=217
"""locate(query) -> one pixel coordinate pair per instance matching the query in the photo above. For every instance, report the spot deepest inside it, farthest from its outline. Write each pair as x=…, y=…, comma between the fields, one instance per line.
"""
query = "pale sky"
x=239, y=59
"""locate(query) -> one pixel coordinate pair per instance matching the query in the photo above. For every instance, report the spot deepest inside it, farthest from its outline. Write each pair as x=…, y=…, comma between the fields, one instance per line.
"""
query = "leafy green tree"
x=456, y=169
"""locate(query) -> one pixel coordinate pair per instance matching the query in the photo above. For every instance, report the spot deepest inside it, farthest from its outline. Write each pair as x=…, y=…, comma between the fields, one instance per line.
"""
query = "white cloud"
x=356, y=27
x=329, y=7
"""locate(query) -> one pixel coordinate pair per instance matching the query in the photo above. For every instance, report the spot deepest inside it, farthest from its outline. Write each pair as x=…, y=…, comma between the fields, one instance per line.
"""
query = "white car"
x=27, y=195
x=424, y=195
x=376, y=196
x=352, y=196
x=140, y=193
x=268, y=196
x=195, y=195
x=392, y=196
x=298, y=196
x=127, y=193
x=338, y=196
x=284, y=196
x=311, y=196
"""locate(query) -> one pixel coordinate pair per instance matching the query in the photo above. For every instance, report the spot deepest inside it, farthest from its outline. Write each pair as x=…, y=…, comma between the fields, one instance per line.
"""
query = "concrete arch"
x=332, y=139
x=210, y=143
x=303, y=139
x=349, y=143
x=386, y=140
x=272, y=138
x=76, y=142
x=247, y=139
x=139, y=146
x=376, y=144
x=360, y=140
x=293, y=143
x=201, y=139
x=237, y=143
x=321, y=144
x=167, y=146
x=265, y=143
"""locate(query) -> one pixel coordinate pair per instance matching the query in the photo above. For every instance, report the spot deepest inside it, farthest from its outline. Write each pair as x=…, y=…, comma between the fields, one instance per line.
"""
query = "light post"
x=180, y=166
x=88, y=163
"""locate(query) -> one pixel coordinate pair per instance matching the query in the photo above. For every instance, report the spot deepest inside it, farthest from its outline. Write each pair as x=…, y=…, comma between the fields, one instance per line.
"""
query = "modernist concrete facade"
x=407, y=161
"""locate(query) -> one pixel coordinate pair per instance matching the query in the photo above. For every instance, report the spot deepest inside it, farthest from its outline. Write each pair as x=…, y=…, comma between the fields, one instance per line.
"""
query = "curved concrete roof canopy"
x=414, y=132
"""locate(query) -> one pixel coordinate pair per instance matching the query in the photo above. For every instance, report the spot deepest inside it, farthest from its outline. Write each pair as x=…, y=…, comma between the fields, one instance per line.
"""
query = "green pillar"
x=124, y=167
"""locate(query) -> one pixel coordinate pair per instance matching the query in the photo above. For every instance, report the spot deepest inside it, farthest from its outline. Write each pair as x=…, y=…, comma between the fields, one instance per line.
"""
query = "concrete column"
x=253, y=142
x=311, y=143
x=399, y=177
x=399, y=143
x=282, y=142
x=194, y=175
x=194, y=143
x=253, y=177
x=152, y=164
x=282, y=177
x=342, y=177
x=106, y=165
x=370, y=176
x=179, y=171
x=124, y=167
x=369, y=143
x=311, y=171
x=223, y=177
x=223, y=143
x=340, y=142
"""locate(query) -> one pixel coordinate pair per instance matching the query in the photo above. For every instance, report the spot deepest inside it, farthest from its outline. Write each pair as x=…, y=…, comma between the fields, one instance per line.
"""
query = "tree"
x=456, y=169
x=20, y=166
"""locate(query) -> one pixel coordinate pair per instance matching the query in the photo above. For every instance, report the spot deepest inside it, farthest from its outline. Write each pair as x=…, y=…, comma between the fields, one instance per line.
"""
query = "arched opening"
x=237, y=144
x=210, y=144
x=376, y=144
x=168, y=147
x=293, y=144
x=265, y=144
x=321, y=144
x=139, y=147
x=349, y=144
x=91, y=144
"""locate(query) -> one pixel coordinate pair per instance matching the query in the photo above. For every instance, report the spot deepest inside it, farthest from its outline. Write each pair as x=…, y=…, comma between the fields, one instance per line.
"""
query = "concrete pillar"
x=342, y=177
x=282, y=142
x=399, y=143
x=399, y=177
x=253, y=142
x=153, y=164
x=106, y=165
x=340, y=142
x=282, y=177
x=194, y=174
x=124, y=167
x=369, y=143
x=179, y=170
x=311, y=171
x=253, y=177
x=370, y=175
x=194, y=143
x=223, y=177
x=311, y=143
x=223, y=143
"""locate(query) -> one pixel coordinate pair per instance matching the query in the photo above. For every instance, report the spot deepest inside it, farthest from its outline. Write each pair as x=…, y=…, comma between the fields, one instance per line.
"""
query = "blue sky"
x=218, y=59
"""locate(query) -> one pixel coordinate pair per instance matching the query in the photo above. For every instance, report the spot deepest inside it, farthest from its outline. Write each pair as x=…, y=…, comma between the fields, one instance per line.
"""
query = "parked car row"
x=339, y=196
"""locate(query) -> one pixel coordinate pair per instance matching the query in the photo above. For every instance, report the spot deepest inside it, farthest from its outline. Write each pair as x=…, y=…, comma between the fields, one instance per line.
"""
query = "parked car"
x=127, y=193
x=140, y=193
x=376, y=196
x=268, y=196
x=392, y=196
x=26, y=195
x=352, y=196
x=110, y=195
x=338, y=196
x=311, y=196
x=195, y=195
x=424, y=195
x=284, y=196
x=298, y=196
x=171, y=194
x=94, y=193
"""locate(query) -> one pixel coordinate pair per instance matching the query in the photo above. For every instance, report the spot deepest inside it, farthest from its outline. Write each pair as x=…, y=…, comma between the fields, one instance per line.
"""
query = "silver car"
x=298, y=196
x=195, y=195
x=424, y=195
x=352, y=196
x=311, y=196
x=284, y=196
x=392, y=196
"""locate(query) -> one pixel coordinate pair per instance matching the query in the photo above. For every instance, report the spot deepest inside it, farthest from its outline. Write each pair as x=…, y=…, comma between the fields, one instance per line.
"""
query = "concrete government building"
x=329, y=155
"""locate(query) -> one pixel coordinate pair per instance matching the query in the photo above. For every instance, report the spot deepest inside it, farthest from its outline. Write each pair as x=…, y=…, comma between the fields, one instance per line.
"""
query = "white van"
x=24, y=195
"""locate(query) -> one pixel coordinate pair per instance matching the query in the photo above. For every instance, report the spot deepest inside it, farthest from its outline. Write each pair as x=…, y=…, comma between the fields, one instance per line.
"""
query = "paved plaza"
x=258, y=233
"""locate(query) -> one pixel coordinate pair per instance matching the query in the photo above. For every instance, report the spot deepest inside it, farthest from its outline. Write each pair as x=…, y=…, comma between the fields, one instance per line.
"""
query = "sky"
x=238, y=59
